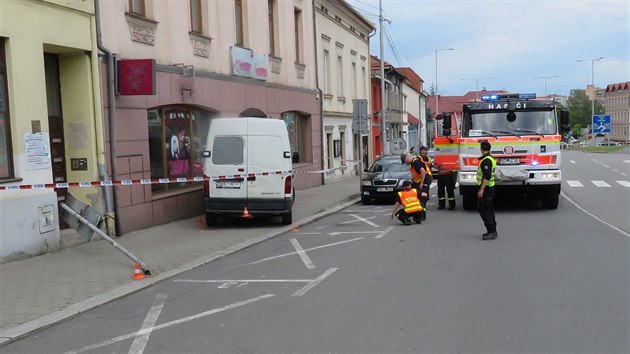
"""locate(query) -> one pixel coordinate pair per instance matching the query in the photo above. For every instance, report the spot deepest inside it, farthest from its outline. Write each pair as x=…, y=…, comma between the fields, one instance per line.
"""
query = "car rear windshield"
x=392, y=165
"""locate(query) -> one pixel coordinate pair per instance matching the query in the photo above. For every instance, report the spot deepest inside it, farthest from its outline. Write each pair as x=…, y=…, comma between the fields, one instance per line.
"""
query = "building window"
x=337, y=148
x=326, y=72
x=272, y=26
x=137, y=7
x=329, y=144
x=342, y=147
x=238, y=18
x=340, y=76
x=6, y=151
x=196, y=17
x=364, y=83
x=354, y=80
x=177, y=137
x=297, y=23
x=297, y=126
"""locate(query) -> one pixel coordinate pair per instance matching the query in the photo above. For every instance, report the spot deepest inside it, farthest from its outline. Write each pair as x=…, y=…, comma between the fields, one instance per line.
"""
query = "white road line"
x=307, y=233
x=600, y=183
x=169, y=324
x=623, y=174
x=575, y=184
x=601, y=163
x=310, y=249
x=337, y=233
x=615, y=170
x=624, y=183
x=242, y=280
x=314, y=282
x=593, y=215
x=300, y=251
x=626, y=161
x=345, y=222
x=572, y=161
x=384, y=232
x=138, y=345
x=364, y=220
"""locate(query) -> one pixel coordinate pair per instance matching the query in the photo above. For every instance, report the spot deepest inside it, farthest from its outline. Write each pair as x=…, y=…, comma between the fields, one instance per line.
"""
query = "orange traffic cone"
x=137, y=272
x=246, y=213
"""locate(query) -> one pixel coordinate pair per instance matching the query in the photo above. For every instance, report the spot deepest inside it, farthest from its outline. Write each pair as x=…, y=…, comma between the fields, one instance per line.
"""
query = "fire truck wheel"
x=550, y=200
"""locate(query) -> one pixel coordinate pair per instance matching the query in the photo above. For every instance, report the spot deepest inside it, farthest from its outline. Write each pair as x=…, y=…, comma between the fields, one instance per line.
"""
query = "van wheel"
x=211, y=219
x=287, y=218
x=293, y=198
x=550, y=200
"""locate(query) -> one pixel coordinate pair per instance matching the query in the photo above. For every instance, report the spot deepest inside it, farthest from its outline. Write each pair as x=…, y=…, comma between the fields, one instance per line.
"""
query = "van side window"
x=228, y=150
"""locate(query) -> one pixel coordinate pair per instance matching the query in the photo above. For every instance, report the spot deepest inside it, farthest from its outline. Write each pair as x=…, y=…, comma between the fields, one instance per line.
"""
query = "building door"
x=55, y=126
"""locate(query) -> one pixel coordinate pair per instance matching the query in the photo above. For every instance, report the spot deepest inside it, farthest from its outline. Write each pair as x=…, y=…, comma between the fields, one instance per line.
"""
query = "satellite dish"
x=397, y=146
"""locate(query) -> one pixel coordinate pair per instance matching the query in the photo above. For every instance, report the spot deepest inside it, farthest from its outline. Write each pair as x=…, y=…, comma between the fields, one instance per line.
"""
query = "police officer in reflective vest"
x=412, y=208
x=485, y=193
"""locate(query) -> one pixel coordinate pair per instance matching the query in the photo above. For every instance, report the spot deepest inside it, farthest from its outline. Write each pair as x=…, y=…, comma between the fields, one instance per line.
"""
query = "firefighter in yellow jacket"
x=411, y=207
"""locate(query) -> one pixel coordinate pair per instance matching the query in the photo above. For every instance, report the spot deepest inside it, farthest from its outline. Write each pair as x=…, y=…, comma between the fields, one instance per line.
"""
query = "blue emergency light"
x=520, y=96
x=490, y=98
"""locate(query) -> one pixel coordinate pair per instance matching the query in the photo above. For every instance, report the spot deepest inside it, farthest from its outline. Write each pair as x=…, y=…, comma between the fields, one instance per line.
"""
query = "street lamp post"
x=594, y=91
x=546, y=78
x=437, y=109
x=477, y=85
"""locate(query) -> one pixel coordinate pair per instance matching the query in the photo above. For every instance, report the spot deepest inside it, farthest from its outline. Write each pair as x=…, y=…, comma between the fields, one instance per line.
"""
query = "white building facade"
x=342, y=49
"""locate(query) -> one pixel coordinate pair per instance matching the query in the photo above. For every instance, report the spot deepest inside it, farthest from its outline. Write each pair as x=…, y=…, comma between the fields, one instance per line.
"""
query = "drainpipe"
x=111, y=102
x=321, y=95
x=370, y=134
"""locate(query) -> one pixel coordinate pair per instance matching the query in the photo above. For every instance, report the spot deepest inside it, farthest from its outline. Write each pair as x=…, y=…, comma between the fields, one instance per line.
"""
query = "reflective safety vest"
x=427, y=166
x=480, y=173
x=415, y=175
x=410, y=201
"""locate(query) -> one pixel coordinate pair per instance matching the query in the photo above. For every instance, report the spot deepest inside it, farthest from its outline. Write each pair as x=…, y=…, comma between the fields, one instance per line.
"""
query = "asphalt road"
x=358, y=281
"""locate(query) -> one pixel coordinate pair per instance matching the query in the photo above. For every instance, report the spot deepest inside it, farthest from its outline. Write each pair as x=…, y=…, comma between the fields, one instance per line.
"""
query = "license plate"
x=512, y=161
x=226, y=184
x=385, y=189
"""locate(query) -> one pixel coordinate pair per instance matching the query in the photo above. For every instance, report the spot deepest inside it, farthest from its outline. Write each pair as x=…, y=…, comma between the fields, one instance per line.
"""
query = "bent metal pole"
x=106, y=238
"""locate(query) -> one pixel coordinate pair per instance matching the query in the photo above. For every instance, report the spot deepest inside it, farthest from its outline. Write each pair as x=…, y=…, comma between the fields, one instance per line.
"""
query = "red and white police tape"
x=148, y=181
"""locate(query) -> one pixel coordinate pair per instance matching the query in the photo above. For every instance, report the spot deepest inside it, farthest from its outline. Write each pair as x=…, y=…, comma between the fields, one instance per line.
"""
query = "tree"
x=580, y=108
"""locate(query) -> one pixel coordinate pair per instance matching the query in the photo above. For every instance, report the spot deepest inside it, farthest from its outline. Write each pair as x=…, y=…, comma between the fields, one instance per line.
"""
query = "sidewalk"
x=41, y=291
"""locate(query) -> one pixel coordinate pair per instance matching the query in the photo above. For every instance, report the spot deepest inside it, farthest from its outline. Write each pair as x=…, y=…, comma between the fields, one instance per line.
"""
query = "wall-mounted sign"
x=135, y=77
x=246, y=63
x=37, y=151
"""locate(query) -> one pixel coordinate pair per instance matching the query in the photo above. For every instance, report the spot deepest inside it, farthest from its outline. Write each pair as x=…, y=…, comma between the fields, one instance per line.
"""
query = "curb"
x=19, y=332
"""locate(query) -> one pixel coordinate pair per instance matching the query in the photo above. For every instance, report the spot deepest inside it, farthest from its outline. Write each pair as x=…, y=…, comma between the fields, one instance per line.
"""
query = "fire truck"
x=525, y=134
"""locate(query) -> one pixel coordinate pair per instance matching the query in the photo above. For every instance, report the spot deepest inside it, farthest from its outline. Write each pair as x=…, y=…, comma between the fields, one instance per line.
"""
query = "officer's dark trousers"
x=423, y=189
x=486, y=209
x=402, y=215
x=446, y=182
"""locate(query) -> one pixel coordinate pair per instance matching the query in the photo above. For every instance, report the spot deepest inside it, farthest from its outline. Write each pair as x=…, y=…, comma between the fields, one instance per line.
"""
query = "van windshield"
x=228, y=150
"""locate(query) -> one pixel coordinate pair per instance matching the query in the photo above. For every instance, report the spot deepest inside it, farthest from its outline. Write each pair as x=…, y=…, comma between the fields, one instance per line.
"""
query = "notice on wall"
x=37, y=151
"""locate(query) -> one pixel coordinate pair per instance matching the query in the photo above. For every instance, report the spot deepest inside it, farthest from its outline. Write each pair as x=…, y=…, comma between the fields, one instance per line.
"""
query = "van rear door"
x=229, y=159
x=265, y=154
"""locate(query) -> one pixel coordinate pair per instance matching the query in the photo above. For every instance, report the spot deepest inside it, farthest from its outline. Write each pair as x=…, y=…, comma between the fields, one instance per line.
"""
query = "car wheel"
x=287, y=218
x=211, y=219
x=365, y=200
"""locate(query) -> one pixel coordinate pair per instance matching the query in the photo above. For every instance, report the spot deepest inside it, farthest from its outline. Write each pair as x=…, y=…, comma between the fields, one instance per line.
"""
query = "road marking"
x=572, y=161
x=615, y=170
x=624, y=183
x=236, y=281
x=169, y=324
x=601, y=163
x=314, y=282
x=384, y=232
x=626, y=161
x=310, y=249
x=307, y=233
x=337, y=233
x=141, y=341
x=345, y=222
x=364, y=220
x=300, y=251
x=593, y=215
x=575, y=184
x=623, y=173
x=600, y=183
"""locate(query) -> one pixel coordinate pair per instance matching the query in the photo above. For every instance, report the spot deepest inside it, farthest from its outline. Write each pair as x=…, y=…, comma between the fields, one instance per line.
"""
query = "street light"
x=546, y=77
x=594, y=91
x=437, y=109
x=477, y=85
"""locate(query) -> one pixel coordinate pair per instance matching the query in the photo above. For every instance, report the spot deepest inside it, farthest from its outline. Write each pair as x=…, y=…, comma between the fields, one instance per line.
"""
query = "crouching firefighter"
x=411, y=207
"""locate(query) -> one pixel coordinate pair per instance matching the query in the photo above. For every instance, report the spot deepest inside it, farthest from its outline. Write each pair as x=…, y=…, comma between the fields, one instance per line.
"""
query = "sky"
x=506, y=44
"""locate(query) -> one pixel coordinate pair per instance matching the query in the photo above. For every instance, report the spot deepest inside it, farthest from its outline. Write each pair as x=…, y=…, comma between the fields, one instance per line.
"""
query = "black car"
x=383, y=179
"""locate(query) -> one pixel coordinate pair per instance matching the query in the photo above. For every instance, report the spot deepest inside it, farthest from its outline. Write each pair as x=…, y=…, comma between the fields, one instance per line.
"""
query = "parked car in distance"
x=609, y=143
x=383, y=179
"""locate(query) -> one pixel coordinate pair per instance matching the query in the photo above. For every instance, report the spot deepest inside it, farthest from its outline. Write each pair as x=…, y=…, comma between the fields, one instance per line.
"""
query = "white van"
x=240, y=146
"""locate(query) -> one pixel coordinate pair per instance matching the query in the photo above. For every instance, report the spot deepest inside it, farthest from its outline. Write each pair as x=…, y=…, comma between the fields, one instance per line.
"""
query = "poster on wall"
x=246, y=63
x=178, y=142
x=37, y=151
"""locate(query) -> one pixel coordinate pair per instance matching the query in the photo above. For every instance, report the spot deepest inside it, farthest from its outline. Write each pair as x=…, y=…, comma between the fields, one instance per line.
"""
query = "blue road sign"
x=601, y=124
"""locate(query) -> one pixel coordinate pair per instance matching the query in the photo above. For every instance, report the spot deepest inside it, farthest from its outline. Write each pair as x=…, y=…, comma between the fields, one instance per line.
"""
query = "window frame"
x=238, y=23
x=134, y=10
x=340, y=80
x=7, y=114
x=297, y=32
x=198, y=16
x=326, y=71
x=271, y=4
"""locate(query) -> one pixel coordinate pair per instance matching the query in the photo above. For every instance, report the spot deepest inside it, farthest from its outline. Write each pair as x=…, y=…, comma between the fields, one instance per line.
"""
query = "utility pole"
x=545, y=77
x=477, y=85
x=384, y=142
x=594, y=91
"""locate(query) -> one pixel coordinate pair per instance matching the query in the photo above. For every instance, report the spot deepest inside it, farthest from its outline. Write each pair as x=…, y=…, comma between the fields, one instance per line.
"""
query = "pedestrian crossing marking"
x=624, y=183
x=575, y=184
x=600, y=183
